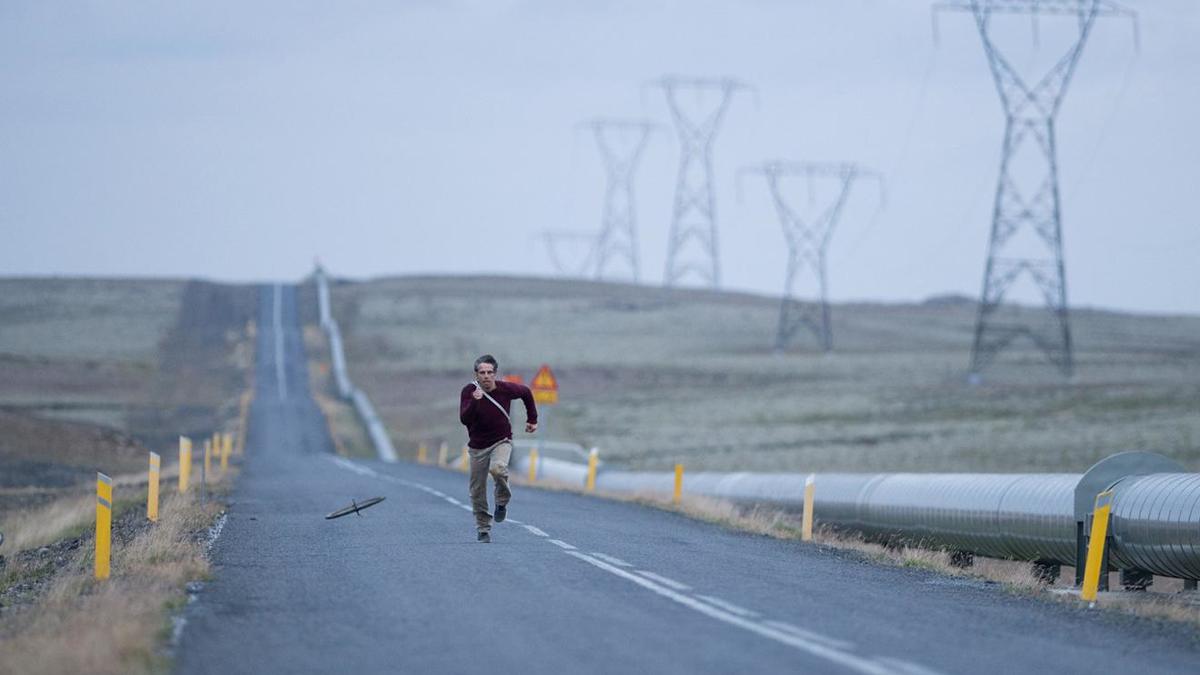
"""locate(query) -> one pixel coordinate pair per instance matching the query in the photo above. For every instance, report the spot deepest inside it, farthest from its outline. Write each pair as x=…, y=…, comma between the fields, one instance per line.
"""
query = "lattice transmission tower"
x=692, y=247
x=1027, y=195
x=621, y=143
x=808, y=240
x=581, y=251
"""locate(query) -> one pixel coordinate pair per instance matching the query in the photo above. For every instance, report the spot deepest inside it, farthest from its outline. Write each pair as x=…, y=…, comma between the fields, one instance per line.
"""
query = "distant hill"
x=94, y=372
x=654, y=376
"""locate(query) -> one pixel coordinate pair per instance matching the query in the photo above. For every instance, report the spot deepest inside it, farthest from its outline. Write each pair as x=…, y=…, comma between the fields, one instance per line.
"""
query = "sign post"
x=1096, y=563
x=185, y=463
x=545, y=393
x=104, y=490
x=152, y=487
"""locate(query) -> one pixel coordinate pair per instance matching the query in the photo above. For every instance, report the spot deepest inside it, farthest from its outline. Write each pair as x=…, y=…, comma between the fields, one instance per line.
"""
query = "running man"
x=484, y=410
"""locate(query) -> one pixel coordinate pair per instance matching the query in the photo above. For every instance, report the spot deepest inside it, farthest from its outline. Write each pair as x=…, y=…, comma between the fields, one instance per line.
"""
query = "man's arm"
x=531, y=416
x=466, y=405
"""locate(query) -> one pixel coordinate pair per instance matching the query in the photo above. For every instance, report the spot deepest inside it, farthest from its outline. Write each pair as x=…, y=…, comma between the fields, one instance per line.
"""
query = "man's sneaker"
x=501, y=513
x=483, y=537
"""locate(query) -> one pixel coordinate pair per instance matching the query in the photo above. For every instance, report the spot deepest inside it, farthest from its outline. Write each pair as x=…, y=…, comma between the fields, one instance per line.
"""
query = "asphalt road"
x=575, y=584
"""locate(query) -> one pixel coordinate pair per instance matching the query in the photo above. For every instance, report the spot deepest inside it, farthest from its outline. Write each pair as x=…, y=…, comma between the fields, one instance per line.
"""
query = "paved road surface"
x=575, y=584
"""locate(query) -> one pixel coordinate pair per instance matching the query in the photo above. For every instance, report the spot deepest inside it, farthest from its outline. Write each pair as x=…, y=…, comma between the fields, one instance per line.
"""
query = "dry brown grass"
x=1162, y=606
x=82, y=625
x=41, y=525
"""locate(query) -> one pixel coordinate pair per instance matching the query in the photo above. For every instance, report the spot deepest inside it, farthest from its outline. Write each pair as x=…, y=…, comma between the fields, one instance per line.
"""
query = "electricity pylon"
x=692, y=242
x=1029, y=151
x=808, y=241
x=578, y=267
x=621, y=143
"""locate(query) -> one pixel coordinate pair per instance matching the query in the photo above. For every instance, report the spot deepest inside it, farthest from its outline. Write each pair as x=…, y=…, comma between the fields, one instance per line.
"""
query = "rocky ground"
x=25, y=576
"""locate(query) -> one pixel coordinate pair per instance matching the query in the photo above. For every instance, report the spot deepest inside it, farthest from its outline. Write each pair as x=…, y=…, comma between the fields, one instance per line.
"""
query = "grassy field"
x=652, y=377
x=95, y=372
x=93, y=375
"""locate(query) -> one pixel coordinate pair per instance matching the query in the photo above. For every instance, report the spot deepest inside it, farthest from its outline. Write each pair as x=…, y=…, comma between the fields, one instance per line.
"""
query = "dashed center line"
x=280, y=373
x=562, y=544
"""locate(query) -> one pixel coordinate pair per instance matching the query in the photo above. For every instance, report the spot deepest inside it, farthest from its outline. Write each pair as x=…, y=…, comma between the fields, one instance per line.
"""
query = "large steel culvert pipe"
x=1037, y=517
x=1155, y=524
x=1020, y=516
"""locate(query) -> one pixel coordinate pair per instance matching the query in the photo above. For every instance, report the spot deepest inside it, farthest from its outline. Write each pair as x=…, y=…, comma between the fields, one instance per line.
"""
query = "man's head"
x=485, y=371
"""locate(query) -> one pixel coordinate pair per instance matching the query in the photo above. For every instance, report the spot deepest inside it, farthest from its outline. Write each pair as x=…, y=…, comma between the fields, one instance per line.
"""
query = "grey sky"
x=239, y=140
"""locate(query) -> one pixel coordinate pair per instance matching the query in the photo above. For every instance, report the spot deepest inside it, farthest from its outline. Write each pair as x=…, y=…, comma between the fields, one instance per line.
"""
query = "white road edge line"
x=611, y=559
x=727, y=606
x=808, y=634
x=535, y=530
x=562, y=544
x=280, y=376
x=906, y=668
x=679, y=586
x=851, y=661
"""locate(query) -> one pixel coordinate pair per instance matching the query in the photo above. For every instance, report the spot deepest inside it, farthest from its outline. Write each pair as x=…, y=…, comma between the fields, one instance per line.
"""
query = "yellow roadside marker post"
x=205, y=468
x=465, y=462
x=806, y=524
x=245, y=409
x=225, y=448
x=593, y=458
x=1095, y=553
x=678, y=494
x=422, y=451
x=185, y=463
x=103, y=524
x=443, y=453
x=533, y=461
x=152, y=490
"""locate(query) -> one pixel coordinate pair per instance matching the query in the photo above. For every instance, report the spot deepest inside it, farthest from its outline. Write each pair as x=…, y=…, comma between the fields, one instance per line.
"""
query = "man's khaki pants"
x=493, y=460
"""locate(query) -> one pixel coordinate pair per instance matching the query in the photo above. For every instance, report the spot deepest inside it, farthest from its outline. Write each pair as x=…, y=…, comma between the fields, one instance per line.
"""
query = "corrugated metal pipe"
x=345, y=389
x=1155, y=524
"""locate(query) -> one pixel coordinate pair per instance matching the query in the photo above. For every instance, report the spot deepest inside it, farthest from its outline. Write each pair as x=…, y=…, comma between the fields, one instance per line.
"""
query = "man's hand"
x=477, y=394
x=530, y=427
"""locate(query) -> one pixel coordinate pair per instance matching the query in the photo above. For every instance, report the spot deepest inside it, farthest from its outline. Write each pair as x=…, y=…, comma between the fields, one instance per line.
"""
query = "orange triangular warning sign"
x=544, y=386
x=544, y=379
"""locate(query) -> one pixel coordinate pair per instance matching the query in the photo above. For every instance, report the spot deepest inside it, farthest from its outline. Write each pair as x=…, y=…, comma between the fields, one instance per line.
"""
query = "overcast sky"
x=238, y=140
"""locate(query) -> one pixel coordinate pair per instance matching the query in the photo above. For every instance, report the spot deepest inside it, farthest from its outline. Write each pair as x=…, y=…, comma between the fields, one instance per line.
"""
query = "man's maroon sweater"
x=486, y=425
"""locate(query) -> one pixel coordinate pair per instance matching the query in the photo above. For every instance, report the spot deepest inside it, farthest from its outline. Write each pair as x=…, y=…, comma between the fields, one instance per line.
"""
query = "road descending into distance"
x=573, y=583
